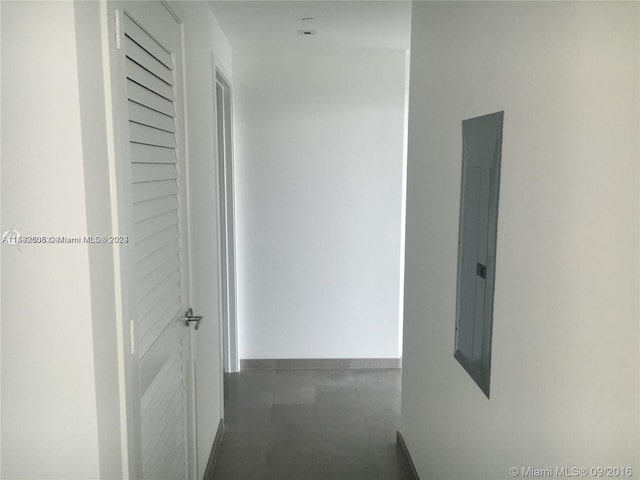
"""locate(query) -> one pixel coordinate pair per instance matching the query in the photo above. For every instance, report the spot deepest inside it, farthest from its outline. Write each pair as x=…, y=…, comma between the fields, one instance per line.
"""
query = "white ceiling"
x=274, y=25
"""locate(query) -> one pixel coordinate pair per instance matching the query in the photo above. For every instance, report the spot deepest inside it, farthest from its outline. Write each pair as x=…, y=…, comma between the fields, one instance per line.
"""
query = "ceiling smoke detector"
x=306, y=32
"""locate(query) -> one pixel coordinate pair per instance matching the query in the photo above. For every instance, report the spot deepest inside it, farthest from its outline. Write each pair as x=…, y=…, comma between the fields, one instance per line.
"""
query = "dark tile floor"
x=311, y=425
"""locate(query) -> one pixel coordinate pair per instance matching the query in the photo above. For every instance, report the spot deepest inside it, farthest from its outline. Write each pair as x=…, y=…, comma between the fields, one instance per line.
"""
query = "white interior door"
x=152, y=163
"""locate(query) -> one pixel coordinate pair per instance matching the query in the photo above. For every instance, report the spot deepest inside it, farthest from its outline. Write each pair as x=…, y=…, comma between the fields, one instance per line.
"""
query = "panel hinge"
x=117, y=28
x=132, y=336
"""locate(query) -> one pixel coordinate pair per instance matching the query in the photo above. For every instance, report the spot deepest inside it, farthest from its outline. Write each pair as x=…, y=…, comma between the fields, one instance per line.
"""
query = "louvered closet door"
x=151, y=43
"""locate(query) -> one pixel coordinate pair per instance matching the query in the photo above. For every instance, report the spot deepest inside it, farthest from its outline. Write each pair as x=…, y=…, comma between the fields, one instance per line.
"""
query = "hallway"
x=336, y=131
x=311, y=424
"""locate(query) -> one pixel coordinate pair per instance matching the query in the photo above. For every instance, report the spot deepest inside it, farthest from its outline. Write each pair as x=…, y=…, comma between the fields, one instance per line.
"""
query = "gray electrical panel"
x=482, y=147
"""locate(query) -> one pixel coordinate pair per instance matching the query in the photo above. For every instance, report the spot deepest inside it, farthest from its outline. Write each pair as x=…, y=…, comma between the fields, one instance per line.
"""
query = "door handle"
x=190, y=317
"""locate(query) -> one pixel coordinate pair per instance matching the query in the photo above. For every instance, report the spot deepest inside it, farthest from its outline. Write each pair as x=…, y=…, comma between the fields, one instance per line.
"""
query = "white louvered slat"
x=151, y=136
x=157, y=258
x=164, y=438
x=141, y=153
x=162, y=402
x=146, y=97
x=158, y=318
x=144, y=191
x=157, y=303
x=143, y=58
x=159, y=469
x=162, y=469
x=146, y=116
x=156, y=206
x=150, y=331
x=160, y=436
x=147, y=42
x=153, y=225
x=147, y=247
x=155, y=392
x=164, y=449
x=148, y=80
x=177, y=467
x=159, y=310
x=151, y=172
x=169, y=286
x=167, y=409
x=169, y=412
x=146, y=284
x=164, y=405
x=163, y=429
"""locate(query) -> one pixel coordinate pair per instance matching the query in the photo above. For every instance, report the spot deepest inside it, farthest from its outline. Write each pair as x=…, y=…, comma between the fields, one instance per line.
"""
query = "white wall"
x=49, y=418
x=564, y=380
x=318, y=170
x=60, y=380
x=203, y=37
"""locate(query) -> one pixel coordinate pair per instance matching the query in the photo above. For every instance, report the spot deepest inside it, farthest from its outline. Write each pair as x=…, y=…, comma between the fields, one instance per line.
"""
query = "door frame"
x=228, y=324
